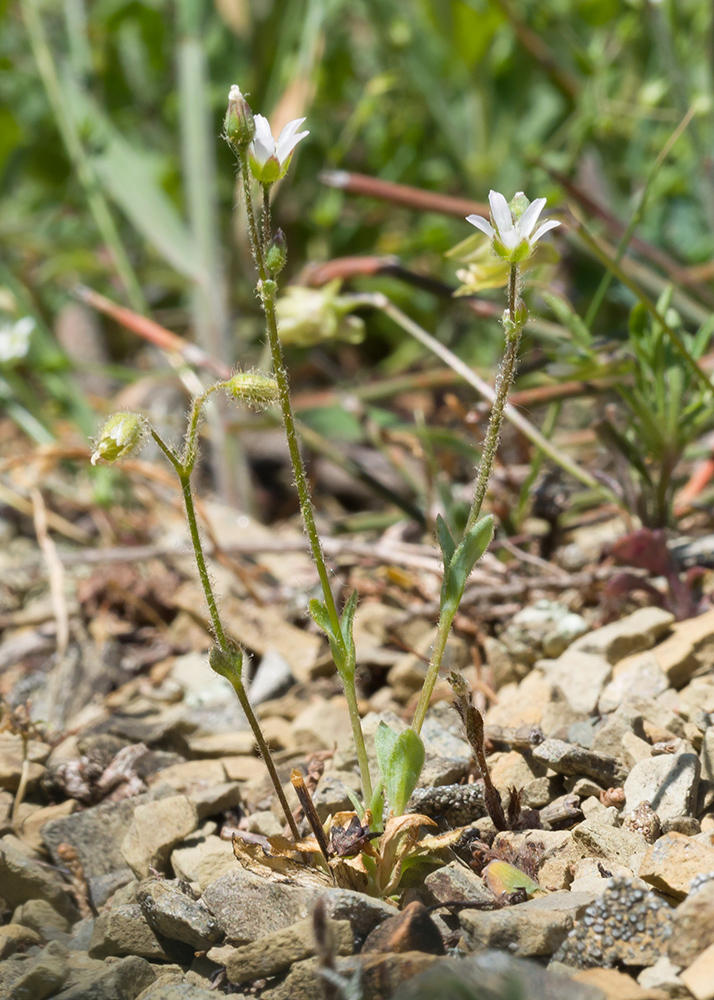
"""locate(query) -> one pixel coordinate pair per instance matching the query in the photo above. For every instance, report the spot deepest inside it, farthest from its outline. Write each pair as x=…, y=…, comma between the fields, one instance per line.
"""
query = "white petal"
x=545, y=228
x=263, y=143
x=234, y=94
x=527, y=221
x=482, y=224
x=502, y=217
x=288, y=139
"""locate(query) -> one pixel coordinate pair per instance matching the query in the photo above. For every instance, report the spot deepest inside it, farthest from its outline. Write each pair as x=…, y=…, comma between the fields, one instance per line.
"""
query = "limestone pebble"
x=627, y=925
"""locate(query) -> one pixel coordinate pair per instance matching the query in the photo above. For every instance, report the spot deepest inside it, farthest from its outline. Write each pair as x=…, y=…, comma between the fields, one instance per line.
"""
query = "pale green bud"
x=122, y=435
x=255, y=388
x=276, y=255
x=238, y=124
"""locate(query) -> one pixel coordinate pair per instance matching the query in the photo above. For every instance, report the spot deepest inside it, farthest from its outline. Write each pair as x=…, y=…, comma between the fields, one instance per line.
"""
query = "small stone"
x=693, y=926
x=123, y=930
x=102, y=887
x=16, y=937
x=44, y=976
x=265, y=823
x=707, y=754
x=247, y=907
x=565, y=758
x=605, y=841
x=518, y=770
x=537, y=927
x=12, y=757
x=41, y=917
x=699, y=977
x=176, y=915
x=22, y=878
x=202, y=859
x=121, y=980
x=673, y=861
x=455, y=882
x=272, y=678
x=323, y=725
x=615, y=985
x=634, y=750
x=331, y=795
x=634, y=677
x=608, y=738
x=663, y=976
x=669, y=783
x=276, y=952
x=181, y=990
x=580, y=675
x=156, y=829
x=632, y=634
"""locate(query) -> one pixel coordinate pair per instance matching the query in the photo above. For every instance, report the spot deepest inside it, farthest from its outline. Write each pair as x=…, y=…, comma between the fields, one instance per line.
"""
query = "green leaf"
x=445, y=540
x=318, y=613
x=400, y=759
x=470, y=549
x=500, y=876
x=347, y=623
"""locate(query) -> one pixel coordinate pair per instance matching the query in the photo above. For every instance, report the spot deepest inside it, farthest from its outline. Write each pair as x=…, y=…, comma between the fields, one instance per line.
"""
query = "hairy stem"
x=267, y=289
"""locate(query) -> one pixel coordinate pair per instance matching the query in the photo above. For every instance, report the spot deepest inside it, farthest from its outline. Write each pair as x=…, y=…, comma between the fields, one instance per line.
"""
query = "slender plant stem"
x=446, y=617
x=513, y=327
x=184, y=473
x=504, y=380
x=268, y=289
x=265, y=754
x=267, y=226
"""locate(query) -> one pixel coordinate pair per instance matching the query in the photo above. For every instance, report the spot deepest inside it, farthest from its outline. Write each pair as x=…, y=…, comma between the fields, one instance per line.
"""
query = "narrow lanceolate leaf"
x=400, y=759
x=445, y=540
x=347, y=623
x=470, y=549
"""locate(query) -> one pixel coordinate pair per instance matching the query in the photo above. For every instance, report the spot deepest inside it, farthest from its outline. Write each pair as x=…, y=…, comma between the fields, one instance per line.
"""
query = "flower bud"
x=239, y=125
x=227, y=663
x=276, y=255
x=122, y=435
x=255, y=388
x=309, y=316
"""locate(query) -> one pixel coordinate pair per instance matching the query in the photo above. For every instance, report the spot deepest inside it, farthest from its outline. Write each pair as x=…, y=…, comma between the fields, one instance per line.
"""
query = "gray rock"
x=276, y=952
x=458, y=805
x=43, y=918
x=156, y=828
x=493, y=975
x=580, y=675
x=537, y=927
x=22, y=879
x=363, y=912
x=272, y=678
x=247, y=907
x=707, y=754
x=633, y=634
x=178, y=991
x=331, y=796
x=122, y=980
x=641, y=679
x=96, y=834
x=216, y=800
x=101, y=887
x=605, y=841
x=565, y=758
x=123, y=930
x=692, y=926
x=42, y=976
x=174, y=914
x=608, y=738
x=455, y=882
x=669, y=783
x=544, y=628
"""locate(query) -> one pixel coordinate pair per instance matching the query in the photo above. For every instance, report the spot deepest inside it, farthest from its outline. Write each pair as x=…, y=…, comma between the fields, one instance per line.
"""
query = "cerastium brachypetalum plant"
x=512, y=233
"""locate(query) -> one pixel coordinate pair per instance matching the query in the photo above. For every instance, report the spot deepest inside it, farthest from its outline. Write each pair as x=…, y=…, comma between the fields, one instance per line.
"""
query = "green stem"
x=504, y=380
x=268, y=288
x=446, y=617
x=513, y=328
x=226, y=647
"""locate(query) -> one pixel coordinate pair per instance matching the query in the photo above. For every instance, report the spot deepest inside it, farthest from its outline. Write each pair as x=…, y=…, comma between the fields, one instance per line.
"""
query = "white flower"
x=269, y=160
x=15, y=339
x=511, y=226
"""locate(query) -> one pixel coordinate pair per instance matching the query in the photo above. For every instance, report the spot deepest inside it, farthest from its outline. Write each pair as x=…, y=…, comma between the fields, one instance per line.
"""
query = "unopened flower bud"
x=227, y=663
x=308, y=316
x=277, y=254
x=239, y=125
x=255, y=388
x=122, y=435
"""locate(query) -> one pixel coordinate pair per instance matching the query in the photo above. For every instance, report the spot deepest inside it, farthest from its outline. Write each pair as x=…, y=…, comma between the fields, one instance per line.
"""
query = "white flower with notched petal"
x=269, y=160
x=15, y=339
x=511, y=227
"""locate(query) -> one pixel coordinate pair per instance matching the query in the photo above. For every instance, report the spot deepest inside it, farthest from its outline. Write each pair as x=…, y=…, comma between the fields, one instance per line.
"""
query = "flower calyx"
x=269, y=159
x=239, y=124
x=122, y=435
